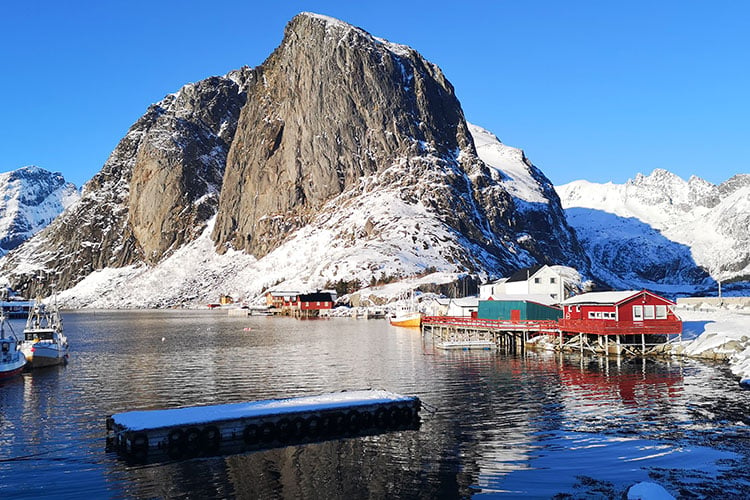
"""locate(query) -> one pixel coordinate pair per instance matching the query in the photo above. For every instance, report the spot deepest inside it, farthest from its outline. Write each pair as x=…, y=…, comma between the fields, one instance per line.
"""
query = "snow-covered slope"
x=516, y=174
x=30, y=198
x=376, y=233
x=659, y=229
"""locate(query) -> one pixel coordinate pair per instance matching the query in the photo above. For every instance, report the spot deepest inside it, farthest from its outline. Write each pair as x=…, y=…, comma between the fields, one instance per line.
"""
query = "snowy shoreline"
x=717, y=333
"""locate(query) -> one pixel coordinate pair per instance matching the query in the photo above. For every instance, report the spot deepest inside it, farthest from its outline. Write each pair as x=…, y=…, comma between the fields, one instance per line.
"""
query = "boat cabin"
x=39, y=334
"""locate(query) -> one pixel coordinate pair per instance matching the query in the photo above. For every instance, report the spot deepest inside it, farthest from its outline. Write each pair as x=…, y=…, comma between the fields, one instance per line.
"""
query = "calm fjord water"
x=533, y=425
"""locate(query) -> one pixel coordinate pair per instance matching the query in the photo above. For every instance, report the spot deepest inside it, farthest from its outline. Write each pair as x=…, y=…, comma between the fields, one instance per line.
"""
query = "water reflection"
x=533, y=424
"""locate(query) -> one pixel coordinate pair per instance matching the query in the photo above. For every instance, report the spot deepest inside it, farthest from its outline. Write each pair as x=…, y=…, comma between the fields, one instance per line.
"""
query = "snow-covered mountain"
x=342, y=157
x=662, y=232
x=31, y=198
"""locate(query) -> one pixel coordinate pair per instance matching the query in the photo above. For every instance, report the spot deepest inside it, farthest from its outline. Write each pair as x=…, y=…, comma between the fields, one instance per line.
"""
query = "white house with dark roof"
x=537, y=280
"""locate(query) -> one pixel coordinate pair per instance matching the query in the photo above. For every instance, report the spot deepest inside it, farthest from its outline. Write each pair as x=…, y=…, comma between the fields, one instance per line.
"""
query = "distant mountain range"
x=31, y=198
x=662, y=232
x=343, y=158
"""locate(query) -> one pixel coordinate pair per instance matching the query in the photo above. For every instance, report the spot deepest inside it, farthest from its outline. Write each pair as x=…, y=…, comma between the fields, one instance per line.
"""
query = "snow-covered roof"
x=466, y=302
x=538, y=298
x=441, y=301
x=600, y=297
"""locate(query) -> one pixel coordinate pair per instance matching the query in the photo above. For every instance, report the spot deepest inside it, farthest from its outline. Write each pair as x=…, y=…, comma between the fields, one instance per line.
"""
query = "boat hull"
x=11, y=368
x=39, y=355
x=408, y=321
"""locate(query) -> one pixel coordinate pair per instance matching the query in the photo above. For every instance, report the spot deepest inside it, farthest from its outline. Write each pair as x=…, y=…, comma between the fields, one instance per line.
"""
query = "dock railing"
x=599, y=327
x=542, y=326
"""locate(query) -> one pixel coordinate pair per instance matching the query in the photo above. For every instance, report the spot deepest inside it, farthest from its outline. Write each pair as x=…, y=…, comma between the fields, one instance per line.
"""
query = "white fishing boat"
x=407, y=315
x=44, y=343
x=12, y=360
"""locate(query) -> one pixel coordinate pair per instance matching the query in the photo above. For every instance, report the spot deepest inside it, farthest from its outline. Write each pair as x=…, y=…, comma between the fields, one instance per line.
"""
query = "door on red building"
x=515, y=315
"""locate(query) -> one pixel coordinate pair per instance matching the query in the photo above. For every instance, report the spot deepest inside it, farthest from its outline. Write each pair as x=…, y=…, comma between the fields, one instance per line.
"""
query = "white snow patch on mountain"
x=509, y=163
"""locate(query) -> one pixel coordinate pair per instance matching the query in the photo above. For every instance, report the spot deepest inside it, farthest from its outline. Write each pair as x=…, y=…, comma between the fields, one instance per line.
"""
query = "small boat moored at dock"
x=44, y=342
x=407, y=315
x=154, y=435
x=12, y=360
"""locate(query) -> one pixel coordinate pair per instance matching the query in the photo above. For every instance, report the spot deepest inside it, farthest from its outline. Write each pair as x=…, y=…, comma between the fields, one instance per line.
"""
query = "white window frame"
x=661, y=312
x=648, y=312
x=637, y=313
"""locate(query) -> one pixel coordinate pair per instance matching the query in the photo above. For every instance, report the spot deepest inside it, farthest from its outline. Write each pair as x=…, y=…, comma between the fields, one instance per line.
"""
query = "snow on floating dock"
x=194, y=415
x=202, y=430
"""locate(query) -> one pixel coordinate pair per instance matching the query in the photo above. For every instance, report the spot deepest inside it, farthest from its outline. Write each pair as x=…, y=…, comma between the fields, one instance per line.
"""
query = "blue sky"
x=589, y=89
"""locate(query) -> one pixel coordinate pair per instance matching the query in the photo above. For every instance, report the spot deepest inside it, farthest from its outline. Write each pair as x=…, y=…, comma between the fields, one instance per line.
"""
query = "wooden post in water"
x=643, y=343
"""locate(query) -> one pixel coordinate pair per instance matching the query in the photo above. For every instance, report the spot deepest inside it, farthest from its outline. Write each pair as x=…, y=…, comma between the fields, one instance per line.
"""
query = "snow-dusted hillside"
x=659, y=229
x=376, y=233
x=30, y=198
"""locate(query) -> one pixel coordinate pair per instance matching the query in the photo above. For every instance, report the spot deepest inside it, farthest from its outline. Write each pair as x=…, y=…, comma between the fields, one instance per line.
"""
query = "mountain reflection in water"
x=537, y=424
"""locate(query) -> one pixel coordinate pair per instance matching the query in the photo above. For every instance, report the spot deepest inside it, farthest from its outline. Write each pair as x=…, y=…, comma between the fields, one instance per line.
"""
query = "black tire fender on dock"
x=210, y=438
x=175, y=438
x=365, y=420
x=339, y=423
x=402, y=415
x=383, y=417
x=353, y=421
x=327, y=424
x=267, y=432
x=314, y=426
x=193, y=439
x=139, y=443
x=284, y=430
x=300, y=428
x=251, y=434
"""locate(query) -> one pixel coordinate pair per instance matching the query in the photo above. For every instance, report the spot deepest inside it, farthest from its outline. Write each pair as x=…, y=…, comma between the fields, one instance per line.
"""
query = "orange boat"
x=411, y=319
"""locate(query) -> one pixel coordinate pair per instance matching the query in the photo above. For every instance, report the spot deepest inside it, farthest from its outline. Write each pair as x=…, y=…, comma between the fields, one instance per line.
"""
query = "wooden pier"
x=154, y=435
x=616, y=338
x=510, y=335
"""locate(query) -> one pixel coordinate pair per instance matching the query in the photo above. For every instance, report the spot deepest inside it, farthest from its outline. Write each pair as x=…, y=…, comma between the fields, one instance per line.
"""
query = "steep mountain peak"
x=330, y=106
x=341, y=157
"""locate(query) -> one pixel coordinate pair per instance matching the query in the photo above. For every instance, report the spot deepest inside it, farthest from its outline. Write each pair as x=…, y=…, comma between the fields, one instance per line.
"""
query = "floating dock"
x=466, y=345
x=238, y=427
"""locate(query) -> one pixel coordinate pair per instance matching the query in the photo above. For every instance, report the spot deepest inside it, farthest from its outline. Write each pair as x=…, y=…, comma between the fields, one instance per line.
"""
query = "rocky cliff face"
x=341, y=157
x=30, y=198
x=331, y=106
x=155, y=192
x=334, y=113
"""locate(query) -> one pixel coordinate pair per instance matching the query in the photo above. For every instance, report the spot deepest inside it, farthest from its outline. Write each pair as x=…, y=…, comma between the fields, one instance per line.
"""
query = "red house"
x=619, y=313
x=314, y=301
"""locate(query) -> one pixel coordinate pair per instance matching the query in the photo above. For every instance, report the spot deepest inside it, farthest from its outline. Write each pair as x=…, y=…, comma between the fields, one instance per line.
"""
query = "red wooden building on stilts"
x=627, y=317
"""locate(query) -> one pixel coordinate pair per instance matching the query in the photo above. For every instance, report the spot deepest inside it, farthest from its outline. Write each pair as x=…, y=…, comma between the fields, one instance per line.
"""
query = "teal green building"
x=517, y=309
